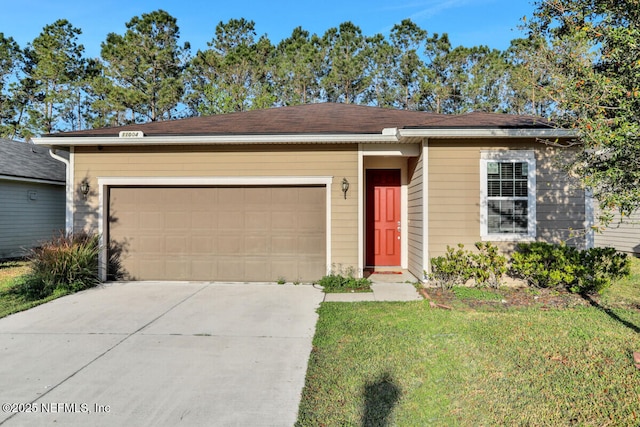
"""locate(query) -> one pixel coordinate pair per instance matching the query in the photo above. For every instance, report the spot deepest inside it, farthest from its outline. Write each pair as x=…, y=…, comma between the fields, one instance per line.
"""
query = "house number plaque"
x=131, y=134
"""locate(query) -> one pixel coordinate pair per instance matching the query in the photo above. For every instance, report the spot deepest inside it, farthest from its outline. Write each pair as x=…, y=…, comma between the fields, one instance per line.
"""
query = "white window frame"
x=513, y=156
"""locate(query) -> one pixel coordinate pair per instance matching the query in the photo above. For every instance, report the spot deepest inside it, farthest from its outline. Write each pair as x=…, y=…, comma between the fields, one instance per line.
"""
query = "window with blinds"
x=507, y=197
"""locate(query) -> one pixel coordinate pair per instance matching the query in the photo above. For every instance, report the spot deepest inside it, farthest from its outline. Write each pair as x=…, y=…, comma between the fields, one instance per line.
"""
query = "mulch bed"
x=545, y=299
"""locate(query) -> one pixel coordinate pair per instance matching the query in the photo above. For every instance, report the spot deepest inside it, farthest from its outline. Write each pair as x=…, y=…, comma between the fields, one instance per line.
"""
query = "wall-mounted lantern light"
x=345, y=187
x=84, y=188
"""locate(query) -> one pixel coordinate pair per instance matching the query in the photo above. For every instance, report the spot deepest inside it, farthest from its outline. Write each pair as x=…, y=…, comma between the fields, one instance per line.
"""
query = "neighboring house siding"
x=454, y=188
x=624, y=236
x=337, y=161
x=29, y=214
x=416, y=216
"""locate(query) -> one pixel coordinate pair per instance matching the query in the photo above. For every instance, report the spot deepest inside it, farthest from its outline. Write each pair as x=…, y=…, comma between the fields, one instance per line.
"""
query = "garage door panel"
x=201, y=220
x=147, y=268
x=228, y=245
x=308, y=199
x=152, y=245
x=220, y=233
x=230, y=268
x=201, y=245
x=284, y=244
x=258, y=196
x=312, y=266
x=256, y=245
x=309, y=244
x=231, y=220
x=284, y=220
x=257, y=220
x=255, y=269
x=178, y=268
x=178, y=196
x=176, y=245
x=203, y=268
x=309, y=221
x=228, y=197
x=131, y=218
x=177, y=221
x=150, y=220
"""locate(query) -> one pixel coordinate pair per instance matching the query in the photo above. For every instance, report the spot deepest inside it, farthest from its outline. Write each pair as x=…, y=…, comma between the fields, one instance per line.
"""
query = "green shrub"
x=344, y=280
x=488, y=265
x=600, y=267
x=451, y=269
x=457, y=266
x=66, y=263
x=545, y=265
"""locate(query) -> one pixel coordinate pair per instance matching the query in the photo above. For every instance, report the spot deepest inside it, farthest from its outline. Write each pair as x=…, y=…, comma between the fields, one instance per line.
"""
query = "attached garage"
x=224, y=233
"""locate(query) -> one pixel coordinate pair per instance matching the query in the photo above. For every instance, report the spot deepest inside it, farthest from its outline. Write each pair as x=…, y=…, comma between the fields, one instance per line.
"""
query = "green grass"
x=406, y=364
x=625, y=292
x=12, y=301
x=480, y=294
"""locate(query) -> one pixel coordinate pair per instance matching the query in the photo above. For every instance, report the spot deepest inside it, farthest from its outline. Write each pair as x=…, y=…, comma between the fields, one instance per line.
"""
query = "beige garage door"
x=220, y=233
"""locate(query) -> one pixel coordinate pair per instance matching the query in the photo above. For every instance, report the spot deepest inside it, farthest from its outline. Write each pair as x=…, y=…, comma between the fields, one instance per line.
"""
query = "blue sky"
x=468, y=22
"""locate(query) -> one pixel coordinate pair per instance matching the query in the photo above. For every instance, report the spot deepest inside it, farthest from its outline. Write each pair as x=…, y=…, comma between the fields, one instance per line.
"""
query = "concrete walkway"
x=159, y=354
x=381, y=292
x=386, y=287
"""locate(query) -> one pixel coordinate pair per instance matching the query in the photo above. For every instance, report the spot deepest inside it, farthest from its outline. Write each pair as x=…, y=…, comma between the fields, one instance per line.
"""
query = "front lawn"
x=11, y=300
x=407, y=364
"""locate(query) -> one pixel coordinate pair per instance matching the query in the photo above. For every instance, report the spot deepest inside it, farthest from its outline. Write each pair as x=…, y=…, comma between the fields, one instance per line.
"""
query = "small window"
x=507, y=195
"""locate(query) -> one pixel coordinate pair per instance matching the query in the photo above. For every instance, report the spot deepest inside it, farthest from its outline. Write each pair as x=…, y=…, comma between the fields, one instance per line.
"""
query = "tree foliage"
x=408, y=41
x=346, y=61
x=53, y=75
x=10, y=65
x=231, y=75
x=593, y=57
x=144, y=67
x=146, y=74
x=295, y=68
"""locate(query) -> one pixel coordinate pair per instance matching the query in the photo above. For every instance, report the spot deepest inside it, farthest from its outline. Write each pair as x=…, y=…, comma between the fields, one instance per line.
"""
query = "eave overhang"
x=30, y=180
x=388, y=135
x=215, y=139
x=542, y=133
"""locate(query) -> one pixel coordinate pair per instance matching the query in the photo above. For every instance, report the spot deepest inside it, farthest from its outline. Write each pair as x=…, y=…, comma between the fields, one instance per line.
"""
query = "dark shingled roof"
x=24, y=160
x=326, y=118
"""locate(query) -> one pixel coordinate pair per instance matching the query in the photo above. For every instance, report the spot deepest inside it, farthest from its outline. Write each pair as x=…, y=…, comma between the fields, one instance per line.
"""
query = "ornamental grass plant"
x=66, y=263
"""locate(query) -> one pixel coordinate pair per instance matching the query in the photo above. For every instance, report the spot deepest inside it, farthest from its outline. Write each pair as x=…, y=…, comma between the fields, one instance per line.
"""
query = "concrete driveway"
x=159, y=354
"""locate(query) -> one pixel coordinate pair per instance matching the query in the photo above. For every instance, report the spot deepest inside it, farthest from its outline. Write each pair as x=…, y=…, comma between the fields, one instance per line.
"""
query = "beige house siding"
x=561, y=210
x=624, y=236
x=416, y=216
x=454, y=194
x=336, y=161
x=29, y=214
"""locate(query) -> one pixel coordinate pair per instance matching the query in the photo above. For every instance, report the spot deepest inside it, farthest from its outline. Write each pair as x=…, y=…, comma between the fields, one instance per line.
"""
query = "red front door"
x=383, y=217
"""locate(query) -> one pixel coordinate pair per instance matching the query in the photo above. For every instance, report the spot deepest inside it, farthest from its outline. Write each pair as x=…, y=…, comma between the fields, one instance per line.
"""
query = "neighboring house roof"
x=326, y=118
x=22, y=160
